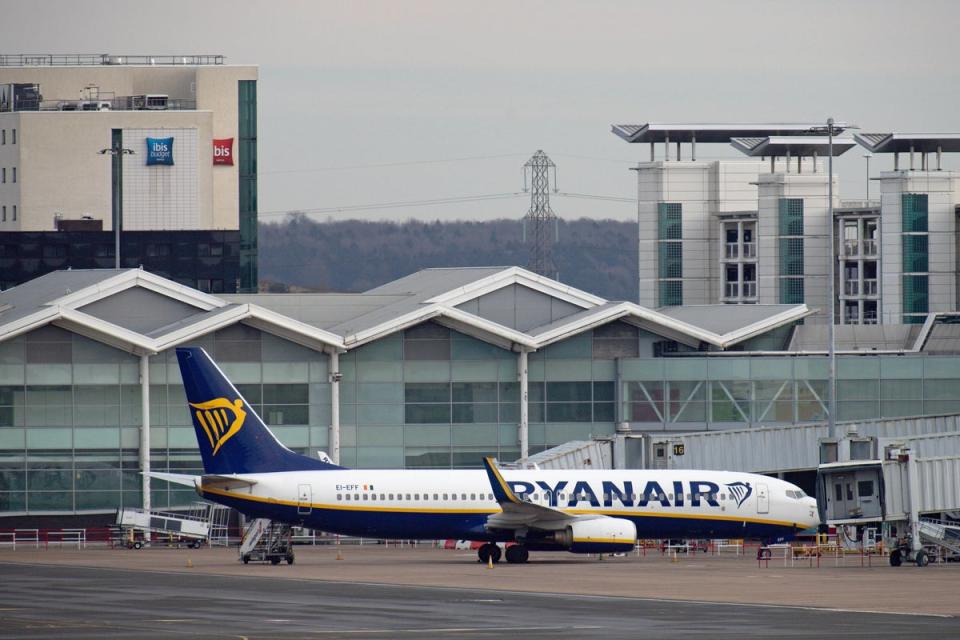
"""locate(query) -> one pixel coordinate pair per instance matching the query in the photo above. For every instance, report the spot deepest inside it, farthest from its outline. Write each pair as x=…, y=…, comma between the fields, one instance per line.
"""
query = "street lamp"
x=830, y=129
x=867, y=157
x=117, y=151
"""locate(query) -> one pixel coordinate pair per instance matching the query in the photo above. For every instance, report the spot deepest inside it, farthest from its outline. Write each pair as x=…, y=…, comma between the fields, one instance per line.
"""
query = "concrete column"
x=814, y=161
x=788, y=161
x=911, y=157
x=333, y=445
x=693, y=147
x=939, y=157
x=896, y=161
x=773, y=164
x=524, y=378
x=666, y=147
x=678, y=150
x=651, y=151
x=145, y=432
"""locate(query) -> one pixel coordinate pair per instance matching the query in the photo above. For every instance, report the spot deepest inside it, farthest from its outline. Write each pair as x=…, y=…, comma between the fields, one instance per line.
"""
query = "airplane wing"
x=517, y=513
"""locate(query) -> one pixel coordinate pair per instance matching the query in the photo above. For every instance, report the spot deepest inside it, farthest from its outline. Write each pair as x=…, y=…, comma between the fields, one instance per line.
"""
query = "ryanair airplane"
x=580, y=511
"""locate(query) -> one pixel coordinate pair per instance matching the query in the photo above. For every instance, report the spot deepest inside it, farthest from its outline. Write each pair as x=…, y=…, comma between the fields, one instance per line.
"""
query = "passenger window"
x=490, y=496
x=373, y=497
x=356, y=496
x=408, y=496
x=366, y=497
x=473, y=496
x=338, y=496
x=391, y=495
x=347, y=496
x=383, y=497
x=436, y=496
x=446, y=496
x=416, y=496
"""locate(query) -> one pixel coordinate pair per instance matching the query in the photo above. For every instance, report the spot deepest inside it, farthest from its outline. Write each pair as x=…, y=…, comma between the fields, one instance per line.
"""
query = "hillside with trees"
x=599, y=256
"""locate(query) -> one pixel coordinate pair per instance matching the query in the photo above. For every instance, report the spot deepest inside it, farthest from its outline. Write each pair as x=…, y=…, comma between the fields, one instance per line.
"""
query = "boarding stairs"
x=941, y=533
x=266, y=541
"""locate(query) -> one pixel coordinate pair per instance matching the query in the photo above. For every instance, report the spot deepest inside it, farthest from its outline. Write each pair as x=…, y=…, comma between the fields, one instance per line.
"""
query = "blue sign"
x=159, y=151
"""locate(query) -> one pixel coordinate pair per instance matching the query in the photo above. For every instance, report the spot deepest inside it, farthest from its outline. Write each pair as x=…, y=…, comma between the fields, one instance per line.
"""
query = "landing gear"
x=489, y=551
x=517, y=554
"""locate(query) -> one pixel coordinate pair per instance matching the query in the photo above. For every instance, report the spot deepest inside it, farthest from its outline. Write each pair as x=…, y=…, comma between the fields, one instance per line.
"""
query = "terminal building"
x=434, y=370
x=162, y=147
x=755, y=231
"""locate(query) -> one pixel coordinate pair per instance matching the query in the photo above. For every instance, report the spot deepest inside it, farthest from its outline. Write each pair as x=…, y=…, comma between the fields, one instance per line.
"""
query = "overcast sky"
x=455, y=96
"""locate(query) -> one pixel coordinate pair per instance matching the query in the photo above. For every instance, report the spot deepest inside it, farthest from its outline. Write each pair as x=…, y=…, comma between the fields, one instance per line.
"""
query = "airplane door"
x=304, y=499
x=763, y=499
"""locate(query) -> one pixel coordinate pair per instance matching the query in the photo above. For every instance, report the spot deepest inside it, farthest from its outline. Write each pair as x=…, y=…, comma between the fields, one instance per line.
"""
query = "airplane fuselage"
x=432, y=504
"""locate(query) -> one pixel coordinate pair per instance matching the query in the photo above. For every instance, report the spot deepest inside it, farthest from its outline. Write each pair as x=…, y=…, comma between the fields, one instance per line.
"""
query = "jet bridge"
x=907, y=487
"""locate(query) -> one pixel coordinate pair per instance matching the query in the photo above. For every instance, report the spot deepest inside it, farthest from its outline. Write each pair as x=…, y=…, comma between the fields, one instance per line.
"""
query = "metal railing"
x=732, y=250
x=731, y=290
x=96, y=59
x=749, y=289
x=870, y=287
x=851, y=287
x=869, y=247
x=749, y=249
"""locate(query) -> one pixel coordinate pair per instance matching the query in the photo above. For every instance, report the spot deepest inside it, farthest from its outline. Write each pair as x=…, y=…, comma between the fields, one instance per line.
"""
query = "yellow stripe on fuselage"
x=572, y=512
x=604, y=541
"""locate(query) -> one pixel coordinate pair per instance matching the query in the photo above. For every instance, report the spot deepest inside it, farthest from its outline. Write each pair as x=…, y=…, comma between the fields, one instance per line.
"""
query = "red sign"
x=223, y=151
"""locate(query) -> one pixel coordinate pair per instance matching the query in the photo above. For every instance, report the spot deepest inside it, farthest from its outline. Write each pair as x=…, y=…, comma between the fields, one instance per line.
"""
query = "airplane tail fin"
x=232, y=437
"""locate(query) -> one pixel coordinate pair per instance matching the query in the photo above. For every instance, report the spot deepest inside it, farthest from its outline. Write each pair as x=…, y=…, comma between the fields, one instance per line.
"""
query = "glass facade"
x=425, y=397
x=670, y=253
x=915, y=278
x=70, y=415
x=247, y=158
x=790, y=246
x=204, y=260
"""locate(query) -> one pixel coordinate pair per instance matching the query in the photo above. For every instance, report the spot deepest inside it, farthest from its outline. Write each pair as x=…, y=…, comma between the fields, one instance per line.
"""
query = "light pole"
x=867, y=157
x=831, y=348
x=117, y=151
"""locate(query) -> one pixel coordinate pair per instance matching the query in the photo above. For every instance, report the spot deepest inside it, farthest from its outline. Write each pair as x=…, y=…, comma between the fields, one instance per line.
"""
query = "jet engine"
x=598, y=535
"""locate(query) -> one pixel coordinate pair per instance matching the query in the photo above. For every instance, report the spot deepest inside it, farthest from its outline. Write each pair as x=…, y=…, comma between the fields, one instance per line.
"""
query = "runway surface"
x=49, y=601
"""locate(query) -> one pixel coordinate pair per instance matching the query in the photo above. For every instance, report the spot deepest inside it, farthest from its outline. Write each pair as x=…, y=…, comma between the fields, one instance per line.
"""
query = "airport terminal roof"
x=510, y=307
x=779, y=146
x=903, y=142
x=715, y=132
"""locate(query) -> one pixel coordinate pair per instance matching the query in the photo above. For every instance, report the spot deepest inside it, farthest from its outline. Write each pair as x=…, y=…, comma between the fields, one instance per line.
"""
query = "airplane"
x=580, y=511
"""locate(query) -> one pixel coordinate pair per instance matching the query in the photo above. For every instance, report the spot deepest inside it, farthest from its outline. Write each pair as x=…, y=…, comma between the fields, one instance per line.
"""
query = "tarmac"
x=379, y=592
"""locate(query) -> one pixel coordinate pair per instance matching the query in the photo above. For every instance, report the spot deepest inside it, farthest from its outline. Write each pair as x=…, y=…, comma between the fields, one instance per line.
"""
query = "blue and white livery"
x=247, y=468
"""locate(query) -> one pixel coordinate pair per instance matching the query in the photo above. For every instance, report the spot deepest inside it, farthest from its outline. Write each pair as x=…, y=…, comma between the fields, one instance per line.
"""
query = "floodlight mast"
x=117, y=151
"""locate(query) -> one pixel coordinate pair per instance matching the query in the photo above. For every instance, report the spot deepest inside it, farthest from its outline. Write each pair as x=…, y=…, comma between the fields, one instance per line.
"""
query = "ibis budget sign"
x=159, y=151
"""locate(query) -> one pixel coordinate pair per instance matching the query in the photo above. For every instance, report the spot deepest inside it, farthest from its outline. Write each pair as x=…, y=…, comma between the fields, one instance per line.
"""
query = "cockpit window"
x=796, y=494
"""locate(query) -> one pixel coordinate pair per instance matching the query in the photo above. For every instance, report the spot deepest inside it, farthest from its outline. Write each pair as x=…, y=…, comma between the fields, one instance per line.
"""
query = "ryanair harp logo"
x=740, y=492
x=220, y=419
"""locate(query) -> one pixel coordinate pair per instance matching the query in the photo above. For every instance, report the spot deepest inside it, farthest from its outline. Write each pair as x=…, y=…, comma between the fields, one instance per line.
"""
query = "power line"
x=395, y=204
x=383, y=165
x=590, y=196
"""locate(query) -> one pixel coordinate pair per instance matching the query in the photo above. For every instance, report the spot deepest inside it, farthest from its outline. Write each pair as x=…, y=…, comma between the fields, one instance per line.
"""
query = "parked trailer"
x=194, y=530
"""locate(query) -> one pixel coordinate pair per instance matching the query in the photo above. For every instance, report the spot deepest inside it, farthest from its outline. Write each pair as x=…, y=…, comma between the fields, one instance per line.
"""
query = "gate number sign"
x=678, y=449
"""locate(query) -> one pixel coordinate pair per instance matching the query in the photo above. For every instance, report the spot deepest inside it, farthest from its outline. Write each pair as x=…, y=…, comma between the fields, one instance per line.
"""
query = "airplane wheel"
x=290, y=559
x=488, y=551
x=896, y=559
x=246, y=558
x=138, y=545
x=922, y=559
x=274, y=560
x=517, y=554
